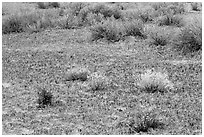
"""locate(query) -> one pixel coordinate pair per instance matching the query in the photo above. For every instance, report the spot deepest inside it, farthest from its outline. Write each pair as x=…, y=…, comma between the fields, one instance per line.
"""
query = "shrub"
x=196, y=6
x=141, y=121
x=98, y=81
x=159, y=36
x=153, y=81
x=76, y=7
x=110, y=30
x=173, y=20
x=29, y=21
x=134, y=28
x=44, y=98
x=113, y=30
x=68, y=22
x=190, y=38
x=41, y=5
x=77, y=73
x=46, y=5
x=99, y=9
x=12, y=24
x=54, y=4
x=158, y=5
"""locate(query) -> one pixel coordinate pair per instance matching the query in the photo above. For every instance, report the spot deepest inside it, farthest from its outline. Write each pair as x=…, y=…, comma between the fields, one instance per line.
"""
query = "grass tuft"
x=99, y=81
x=44, y=98
x=153, y=81
x=77, y=73
x=190, y=38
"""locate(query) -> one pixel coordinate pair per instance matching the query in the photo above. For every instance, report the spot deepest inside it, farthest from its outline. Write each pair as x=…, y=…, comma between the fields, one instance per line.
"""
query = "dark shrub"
x=44, y=98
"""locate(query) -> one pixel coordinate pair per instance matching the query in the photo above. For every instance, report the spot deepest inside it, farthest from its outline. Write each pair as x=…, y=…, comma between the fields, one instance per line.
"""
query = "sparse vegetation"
x=190, y=38
x=44, y=98
x=101, y=87
x=152, y=81
x=99, y=81
x=173, y=20
x=77, y=73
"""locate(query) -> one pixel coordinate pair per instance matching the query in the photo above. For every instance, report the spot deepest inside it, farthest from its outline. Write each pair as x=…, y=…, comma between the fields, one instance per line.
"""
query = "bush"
x=190, y=38
x=68, y=22
x=159, y=36
x=110, y=30
x=12, y=24
x=76, y=7
x=99, y=81
x=153, y=81
x=196, y=6
x=141, y=121
x=169, y=19
x=101, y=10
x=158, y=5
x=113, y=30
x=29, y=21
x=44, y=98
x=77, y=73
x=46, y=5
x=134, y=28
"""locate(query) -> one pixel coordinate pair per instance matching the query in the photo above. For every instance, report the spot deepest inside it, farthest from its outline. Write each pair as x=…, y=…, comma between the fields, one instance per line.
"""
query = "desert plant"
x=134, y=28
x=152, y=81
x=141, y=121
x=44, y=98
x=114, y=30
x=12, y=24
x=98, y=81
x=110, y=30
x=190, y=38
x=169, y=19
x=77, y=73
x=76, y=7
x=195, y=6
x=159, y=36
x=46, y=5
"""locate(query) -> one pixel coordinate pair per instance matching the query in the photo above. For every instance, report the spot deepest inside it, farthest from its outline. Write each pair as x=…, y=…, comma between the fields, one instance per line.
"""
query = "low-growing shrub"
x=110, y=30
x=141, y=121
x=134, y=28
x=76, y=7
x=153, y=81
x=169, y=19
x=196, y=6
x=190, y=38
x=77, y=73
x=33, y=21
x=159, y=36
x=113, y=30
x=44, y=98
x=11, y=24
x=68, y=22
x=46, y=5
x=158, y=5
x=99, y=81
x=101, y=9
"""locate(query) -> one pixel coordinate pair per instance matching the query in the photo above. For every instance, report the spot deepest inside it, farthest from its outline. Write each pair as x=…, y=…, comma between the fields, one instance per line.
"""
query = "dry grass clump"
x=33, y=21
x=46, y=5
x=152, y=81
x=113, y=30
x=77, y=73
x=170, y=20
x=98, y=81
x=159, y=36
x=44, y=98
x=197, y=6
x=141, y=121
x=190, y=38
